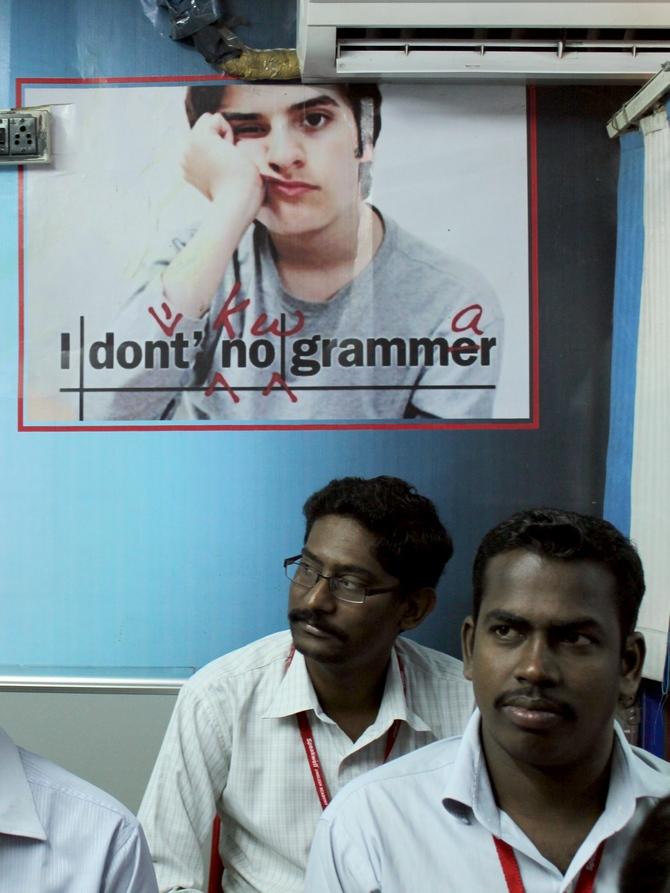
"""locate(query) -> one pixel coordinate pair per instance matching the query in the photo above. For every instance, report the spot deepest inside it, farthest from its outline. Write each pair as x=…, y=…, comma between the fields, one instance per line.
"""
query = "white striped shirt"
x=59, y=834
x=233, y=746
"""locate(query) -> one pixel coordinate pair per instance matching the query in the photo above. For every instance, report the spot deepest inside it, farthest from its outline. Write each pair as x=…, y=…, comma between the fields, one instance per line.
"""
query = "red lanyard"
x=312, y=753
x=510, y=867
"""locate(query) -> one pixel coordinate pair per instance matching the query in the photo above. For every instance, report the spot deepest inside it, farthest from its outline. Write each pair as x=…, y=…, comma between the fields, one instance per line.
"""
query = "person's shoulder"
x=250, y=660
x=424, y=770
x=429, y=662
x=651, y=766
x=649, y=774
x=423, y=261
x=72, y=795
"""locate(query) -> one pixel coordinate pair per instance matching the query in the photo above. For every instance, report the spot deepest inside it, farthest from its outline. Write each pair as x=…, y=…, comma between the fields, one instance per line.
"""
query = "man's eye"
x=315, y=120
x=248, y=131
x=349, y=584
x=305, y=570
x=572, y=637
x=504, y=632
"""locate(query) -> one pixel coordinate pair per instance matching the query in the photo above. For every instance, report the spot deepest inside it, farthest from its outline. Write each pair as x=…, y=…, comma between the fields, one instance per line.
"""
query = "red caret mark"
x=461, y=323
x=220, y=380
x=277, y=379
x=168, y=327
x=260, y=326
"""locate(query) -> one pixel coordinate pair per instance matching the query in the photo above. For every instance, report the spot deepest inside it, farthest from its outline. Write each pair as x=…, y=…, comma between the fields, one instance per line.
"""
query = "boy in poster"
x=294, y=298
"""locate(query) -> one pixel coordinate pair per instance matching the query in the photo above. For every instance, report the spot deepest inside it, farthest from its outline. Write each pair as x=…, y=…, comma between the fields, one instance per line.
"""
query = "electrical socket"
x=25, y=136
x=22, y=135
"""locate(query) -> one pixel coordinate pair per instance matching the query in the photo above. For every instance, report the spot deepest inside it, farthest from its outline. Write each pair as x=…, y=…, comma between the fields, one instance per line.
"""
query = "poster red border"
x=528, y=425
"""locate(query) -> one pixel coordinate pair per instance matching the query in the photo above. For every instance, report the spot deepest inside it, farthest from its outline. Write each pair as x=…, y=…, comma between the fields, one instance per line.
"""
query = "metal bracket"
x=639, y=104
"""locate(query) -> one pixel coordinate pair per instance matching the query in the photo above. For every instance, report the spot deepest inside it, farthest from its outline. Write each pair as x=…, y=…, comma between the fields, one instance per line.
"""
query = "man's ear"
x=468, y=645
x=417, y=606
x=632, y=659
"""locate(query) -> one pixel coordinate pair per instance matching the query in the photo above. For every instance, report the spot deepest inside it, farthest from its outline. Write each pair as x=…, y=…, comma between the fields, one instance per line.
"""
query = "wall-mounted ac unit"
x=532, y=40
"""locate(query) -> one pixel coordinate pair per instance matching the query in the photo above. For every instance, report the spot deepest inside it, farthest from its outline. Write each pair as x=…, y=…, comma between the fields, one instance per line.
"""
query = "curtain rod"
x=645, y=98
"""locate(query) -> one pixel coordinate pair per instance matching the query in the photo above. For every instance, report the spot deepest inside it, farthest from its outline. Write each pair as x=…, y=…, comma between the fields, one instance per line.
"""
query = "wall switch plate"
x=25, y=136
x=22, y=135
x=4, y=136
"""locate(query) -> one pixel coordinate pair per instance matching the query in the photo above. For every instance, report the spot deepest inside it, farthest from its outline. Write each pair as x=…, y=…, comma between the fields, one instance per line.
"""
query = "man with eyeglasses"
x=265, y=735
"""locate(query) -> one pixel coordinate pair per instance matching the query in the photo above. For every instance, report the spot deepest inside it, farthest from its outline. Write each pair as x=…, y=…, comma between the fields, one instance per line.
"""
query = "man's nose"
x=537, y=664
x=319, y=597
x=284, y=148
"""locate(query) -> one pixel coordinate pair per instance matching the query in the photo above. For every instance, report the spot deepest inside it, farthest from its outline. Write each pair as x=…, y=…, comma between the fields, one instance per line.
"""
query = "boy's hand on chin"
x=216, y=167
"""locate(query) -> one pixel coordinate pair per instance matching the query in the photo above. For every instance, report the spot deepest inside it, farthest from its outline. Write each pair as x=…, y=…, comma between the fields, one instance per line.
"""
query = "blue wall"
x=145, y=549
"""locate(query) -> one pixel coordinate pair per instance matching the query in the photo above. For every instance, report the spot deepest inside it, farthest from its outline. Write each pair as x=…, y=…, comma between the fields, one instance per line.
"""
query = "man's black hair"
x=412, y=543
x=567, y=536
x=647, y=865
x=365, y=102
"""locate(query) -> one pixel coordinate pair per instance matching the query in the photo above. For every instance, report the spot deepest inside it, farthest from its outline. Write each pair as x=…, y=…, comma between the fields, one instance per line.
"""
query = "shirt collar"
x=634, y=775
x=18, y=815
x=295, y=693
x=468, y=790
x=397, y=697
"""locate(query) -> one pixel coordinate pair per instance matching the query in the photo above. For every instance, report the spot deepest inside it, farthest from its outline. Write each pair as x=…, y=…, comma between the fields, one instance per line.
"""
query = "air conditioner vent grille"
x=563, y=40
x=530, y=33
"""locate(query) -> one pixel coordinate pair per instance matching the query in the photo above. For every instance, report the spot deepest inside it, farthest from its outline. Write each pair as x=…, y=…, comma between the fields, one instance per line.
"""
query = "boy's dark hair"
x=647, y=865
x=412, y=543
x=567, y=536
x=364, y=100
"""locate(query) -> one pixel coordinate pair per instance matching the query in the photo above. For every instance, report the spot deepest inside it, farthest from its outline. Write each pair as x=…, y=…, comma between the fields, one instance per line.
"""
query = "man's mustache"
x=534, y=699
x=314, y=618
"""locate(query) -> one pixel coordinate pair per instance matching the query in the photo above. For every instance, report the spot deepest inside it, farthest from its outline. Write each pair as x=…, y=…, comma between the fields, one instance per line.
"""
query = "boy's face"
x=304, y=141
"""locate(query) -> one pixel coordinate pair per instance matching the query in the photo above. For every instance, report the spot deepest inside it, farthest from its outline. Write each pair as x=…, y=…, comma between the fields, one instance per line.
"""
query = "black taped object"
x=188, y=17
x=217, y=44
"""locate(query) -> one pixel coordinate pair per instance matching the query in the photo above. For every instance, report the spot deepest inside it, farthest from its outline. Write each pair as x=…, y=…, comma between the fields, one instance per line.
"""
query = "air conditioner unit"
x=531, y=40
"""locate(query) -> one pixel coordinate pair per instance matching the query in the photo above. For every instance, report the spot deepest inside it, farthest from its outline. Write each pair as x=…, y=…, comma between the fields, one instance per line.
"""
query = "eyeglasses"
x=343, y=589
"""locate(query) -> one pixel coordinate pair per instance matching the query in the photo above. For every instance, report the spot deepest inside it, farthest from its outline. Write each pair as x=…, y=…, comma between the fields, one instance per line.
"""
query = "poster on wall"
x=217, y=254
